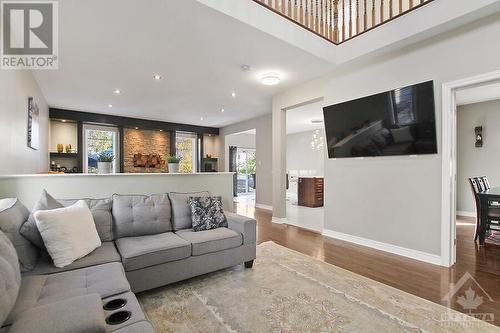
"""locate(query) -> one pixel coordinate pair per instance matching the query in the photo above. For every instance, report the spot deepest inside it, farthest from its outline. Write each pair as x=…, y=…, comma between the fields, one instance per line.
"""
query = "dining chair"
x=479, y=185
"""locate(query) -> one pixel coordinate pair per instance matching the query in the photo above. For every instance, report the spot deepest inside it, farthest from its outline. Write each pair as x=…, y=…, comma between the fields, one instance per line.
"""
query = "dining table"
x=485, y=199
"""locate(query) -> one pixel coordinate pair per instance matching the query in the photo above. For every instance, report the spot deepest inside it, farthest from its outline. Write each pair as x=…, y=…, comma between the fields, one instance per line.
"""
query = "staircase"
x=341, y=20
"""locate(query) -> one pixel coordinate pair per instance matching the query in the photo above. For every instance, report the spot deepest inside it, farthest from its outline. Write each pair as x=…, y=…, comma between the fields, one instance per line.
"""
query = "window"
x=98, y=140
x=403, y=108
x=186, y=148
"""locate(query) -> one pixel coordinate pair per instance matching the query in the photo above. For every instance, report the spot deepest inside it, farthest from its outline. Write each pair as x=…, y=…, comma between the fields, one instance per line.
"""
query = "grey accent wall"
x=263, y=145
x=393, y=200
x=472, y=161
x=16, y=157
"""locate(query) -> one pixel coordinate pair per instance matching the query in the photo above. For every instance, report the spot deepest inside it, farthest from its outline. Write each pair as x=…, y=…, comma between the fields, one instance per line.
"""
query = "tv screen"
x=396, y=122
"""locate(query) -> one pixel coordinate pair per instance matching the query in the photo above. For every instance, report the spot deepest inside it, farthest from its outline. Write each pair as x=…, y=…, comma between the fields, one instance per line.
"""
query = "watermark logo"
x=29, y=35
x=469, y=296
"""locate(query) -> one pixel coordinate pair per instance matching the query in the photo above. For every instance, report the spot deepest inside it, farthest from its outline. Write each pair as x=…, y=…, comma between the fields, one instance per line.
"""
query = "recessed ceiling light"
x=245, y=68
x=233, y=94
x=201, y=118
x=117, y=91
x=161, y=130
x=64, y=120
x=157, y=77
x=270, y=79
x=110, y=105
x=136, y=128
x=222, y=110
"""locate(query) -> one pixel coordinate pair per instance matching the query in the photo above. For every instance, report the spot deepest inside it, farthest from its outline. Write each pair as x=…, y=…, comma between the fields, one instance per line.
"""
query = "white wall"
x=263, y=145
x=16, y=158
x=391, y=200
x=301, y=159
x=28, y=188
x=472, y=161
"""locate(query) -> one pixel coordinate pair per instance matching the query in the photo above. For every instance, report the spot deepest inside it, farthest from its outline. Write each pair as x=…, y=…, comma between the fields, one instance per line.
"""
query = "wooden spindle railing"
x=340, y=20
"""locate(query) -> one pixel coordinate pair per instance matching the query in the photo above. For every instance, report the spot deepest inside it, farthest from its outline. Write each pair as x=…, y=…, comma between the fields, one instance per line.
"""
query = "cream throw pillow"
x=68, y=233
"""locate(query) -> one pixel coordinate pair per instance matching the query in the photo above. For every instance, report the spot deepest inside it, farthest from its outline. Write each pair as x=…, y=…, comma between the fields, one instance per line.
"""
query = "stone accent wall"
x=144, y=142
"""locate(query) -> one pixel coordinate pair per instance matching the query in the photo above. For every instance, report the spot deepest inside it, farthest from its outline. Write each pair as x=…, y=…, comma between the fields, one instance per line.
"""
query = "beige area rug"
x=287, y=291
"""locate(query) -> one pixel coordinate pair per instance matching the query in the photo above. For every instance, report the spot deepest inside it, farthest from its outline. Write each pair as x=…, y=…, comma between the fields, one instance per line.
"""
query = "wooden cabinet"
x=311, y=192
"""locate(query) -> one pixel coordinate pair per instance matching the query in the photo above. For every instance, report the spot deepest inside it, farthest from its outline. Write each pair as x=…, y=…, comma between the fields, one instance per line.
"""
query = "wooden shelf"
x=63, y=155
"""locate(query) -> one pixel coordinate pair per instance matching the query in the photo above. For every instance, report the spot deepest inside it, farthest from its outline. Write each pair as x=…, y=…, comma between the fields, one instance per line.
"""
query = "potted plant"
x=173, y=164
x=105, y=162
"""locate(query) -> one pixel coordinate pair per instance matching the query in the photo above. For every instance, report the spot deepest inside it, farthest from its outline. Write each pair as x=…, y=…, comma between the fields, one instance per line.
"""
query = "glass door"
x=186, y=148
x=246, y=170
x=101, y=143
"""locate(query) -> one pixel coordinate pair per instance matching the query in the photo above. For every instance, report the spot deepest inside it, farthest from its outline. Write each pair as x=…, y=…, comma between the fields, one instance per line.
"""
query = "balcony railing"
x=340, y=20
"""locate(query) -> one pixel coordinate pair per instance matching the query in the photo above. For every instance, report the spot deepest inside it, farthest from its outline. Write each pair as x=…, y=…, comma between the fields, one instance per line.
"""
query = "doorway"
x=305, y=160
x=451, y=95
x=241, y=152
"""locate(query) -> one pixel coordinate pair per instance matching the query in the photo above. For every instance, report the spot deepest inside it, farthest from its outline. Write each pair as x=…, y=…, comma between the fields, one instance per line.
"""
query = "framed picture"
x=33, y=124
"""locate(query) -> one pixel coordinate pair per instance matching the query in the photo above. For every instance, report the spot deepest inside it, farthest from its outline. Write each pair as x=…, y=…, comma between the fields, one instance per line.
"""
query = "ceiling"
x=299, y=119
x=482, y=93
x=198, y=51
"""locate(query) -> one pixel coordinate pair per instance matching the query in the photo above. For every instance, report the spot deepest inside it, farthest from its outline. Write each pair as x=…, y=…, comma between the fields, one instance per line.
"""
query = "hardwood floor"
x=415, y=277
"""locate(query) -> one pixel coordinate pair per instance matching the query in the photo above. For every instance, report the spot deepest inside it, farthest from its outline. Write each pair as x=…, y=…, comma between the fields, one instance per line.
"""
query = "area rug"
x=287, y=291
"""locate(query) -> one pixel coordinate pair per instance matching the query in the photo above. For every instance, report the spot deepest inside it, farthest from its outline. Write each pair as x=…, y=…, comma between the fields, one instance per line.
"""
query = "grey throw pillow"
x=207, y=213
x=12, y=216
x=29, y=228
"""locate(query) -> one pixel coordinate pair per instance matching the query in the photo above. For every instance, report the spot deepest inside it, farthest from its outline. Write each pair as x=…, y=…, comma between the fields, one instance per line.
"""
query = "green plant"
x=172, y=159
x=105, y=156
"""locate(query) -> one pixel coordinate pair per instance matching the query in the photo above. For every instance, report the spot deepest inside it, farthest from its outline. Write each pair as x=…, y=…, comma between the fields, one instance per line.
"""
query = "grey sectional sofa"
x=147, y=242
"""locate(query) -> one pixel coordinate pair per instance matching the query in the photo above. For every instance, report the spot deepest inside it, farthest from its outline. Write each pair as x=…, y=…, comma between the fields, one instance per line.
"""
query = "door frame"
x=449, y=161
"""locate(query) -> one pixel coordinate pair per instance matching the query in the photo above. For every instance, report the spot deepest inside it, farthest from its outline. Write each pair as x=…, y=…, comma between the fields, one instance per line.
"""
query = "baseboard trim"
x=394, y=249
x=464, y=213
x=279, y=220
x=265, y=207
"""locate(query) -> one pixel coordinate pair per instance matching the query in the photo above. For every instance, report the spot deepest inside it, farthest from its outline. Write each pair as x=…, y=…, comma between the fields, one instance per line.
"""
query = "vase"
x=60, y=148
x=173, y=167
x=104, y=168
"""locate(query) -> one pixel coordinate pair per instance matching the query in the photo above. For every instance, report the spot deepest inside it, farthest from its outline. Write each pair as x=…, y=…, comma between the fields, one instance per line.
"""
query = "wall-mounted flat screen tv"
x=396, y=122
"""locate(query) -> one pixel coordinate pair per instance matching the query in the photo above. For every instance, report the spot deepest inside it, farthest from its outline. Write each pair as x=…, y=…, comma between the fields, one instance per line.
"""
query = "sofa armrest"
x=244, y=225
x=78, y=314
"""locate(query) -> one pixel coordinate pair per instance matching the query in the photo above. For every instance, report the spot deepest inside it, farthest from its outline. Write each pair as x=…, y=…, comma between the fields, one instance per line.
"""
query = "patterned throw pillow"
x=207, y=213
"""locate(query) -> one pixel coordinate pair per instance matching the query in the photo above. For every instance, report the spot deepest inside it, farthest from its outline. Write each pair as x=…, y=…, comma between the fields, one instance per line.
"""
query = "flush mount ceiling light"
x=270, y=79
x=157, y=77
x=117, y=91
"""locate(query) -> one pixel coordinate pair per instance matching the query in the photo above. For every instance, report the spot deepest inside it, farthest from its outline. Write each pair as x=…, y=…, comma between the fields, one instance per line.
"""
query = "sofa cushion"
x=106, y=280
x=181, y=212
x=68, y=233
x=12, y=216
x=140, y=215
x=209, y=241
x=101, y=212
x=145, y=251
x=86, y=316
x=29, y=228
x=104, y=254
x=207, y=213
x=10, y=277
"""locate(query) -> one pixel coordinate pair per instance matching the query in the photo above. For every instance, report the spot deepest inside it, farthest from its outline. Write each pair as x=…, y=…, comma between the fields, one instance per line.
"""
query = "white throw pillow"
x=68, y=233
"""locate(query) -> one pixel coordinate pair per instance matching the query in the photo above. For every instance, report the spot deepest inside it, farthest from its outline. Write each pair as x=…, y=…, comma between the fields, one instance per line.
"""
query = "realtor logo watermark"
x=29, y=35
x=468, y=294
